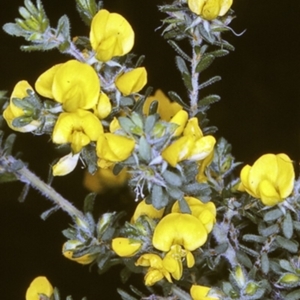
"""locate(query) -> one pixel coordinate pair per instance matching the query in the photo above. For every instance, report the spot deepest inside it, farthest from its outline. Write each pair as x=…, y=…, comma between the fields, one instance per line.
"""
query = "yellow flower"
x=103, y=107
x=210, y=9
x=111, y=35
x=39, y=286
x=180, y=119
x=178, y=150
x=199, y=292
x=156, y=270
x=201, y=177
x=12, y=111
x=179, y=229
x=205, y=212
x=192, y=128
x=105, y=179
x=114, y=148
x=78, y=128
x=166, y=109
x=271, y=178
x=65, y=165
x=144, y=209
x=114, y=125
x=71, y=246
x=132, y=81
x=125, y=247
x=202, y=148
x=73, y=84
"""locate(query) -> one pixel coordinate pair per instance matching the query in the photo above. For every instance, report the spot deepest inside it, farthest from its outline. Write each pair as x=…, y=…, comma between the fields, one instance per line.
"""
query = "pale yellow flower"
x=12, y=111
x=78, y=128
x=71, y=246
x=209, y=9
x=270, y=179
x=111, y=35
x=38, y=287
x=200, y=292
x=125, y=247
x=73, y=84
x=132, y=81
x=166, y=109
x=65, y=165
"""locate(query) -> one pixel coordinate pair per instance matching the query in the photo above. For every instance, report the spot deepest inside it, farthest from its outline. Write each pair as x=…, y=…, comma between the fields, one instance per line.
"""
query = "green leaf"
x=13, y=29
x=181, y=65
x=287, y=226
x=144, y=149
x=158, y=198
x=209, y=82
x=286, y=265
x=150, y=122
x=294, y=295
x=186, y=77
x=153, y=107
x=244, y=259
x=272, y=215
x=175, y=97
x=265, y=264
x=86, y=9
x=172, y=179
x=219, y=53
x=254, y=238
x=45, y=215
x=207, y=101
x=289, y=245
x=125, y=296
x=89, y=201
x=179, y=50
x=205, y=62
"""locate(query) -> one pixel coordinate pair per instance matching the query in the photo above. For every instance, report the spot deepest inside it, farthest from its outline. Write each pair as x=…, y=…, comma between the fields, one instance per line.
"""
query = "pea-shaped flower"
x=125, y=247
x=210, y=9
x=111, y=35
x=78, y=128
x=12, y=111
x=65, y=165
x=73, y=84
x=144, y=209
x=271, y=178
x=72, y=246
x=38, y=287
x=200, y=292
x=114, y=148
x=179, y=229
x=103, y=107
x=132, y=81
x=166, y=109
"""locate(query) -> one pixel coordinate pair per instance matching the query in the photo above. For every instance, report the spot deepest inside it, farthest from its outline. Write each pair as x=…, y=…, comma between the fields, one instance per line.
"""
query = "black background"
x=259, y=113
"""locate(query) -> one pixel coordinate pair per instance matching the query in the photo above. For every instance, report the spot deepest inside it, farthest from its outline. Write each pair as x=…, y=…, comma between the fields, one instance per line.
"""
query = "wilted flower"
x=73, y=84
x=78, y=128
x=72, y=246
x=12, y=111
x=200, y=292
x=38, y=287
x=114, y=148
x=132, y=81
x=125, y=247
x=166, y=109
x=111, y=35
x=271, y=178
x=209, y=9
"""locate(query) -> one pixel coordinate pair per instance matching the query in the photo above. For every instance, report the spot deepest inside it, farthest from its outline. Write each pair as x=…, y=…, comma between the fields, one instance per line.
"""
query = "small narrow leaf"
x=205, y=62
x=175, y=97
x=289, y=245
x=181, y=65
x=272, y=215
x=287, y=226
x=144, y=149
x=187, y=81
x=265, y=264
x=179, y=50
x=209, y=82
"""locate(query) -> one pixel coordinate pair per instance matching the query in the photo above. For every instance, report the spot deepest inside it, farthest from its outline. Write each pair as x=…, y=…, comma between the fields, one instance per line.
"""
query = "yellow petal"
x=144, y=209
x=199, y=292
x=104, y=106
x=150, y=260
x=111, y=35
x=225, y=6
x=152, y=276
x=39, y=286
x=192, y=128
x=178, y=150
x=132, y=81
x=268, y=194
x=202, y=148
x=180, y=119
x=181, y=229
x=114, y=148
x=125, y=247
x=196, y=6
x=65, y=165
x=211, y=9
x=173, y=264
x=44, y=83
x=71, y=246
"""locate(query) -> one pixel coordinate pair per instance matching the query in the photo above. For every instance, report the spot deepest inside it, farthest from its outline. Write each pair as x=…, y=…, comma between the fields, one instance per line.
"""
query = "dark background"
x=259, y=113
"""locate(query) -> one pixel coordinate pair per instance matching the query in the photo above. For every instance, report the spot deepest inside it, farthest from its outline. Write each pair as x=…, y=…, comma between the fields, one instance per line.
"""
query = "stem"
x=180, y=293
x=12, y=165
